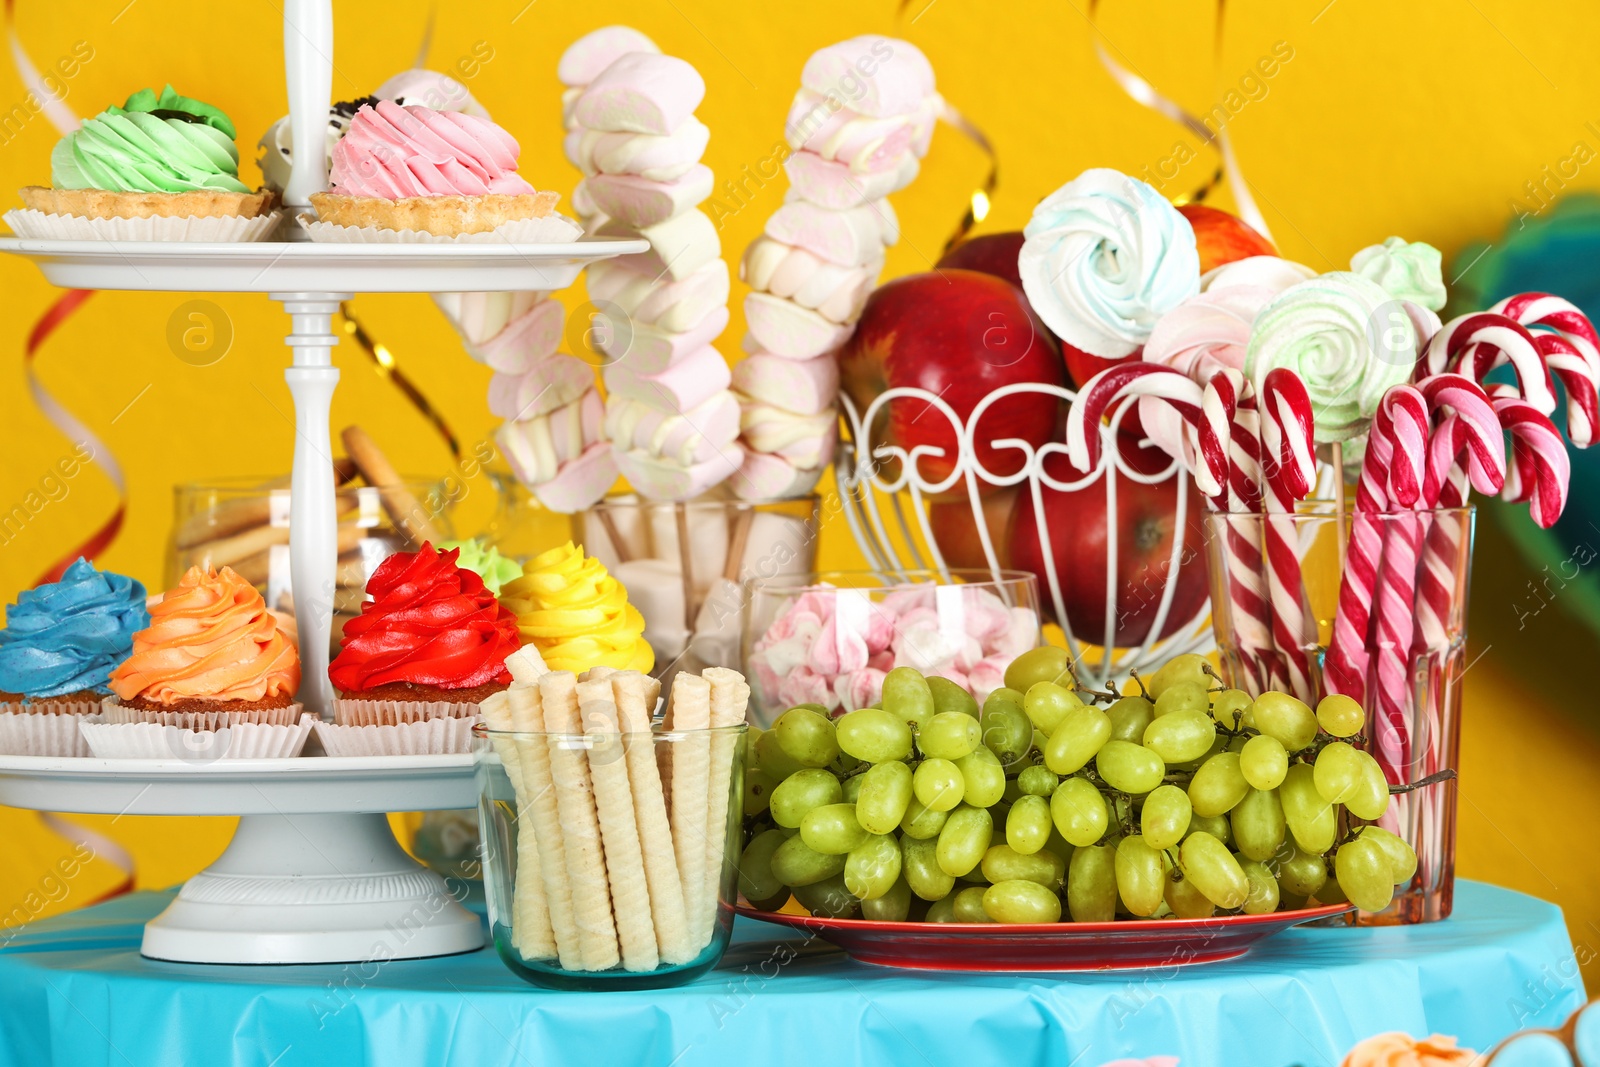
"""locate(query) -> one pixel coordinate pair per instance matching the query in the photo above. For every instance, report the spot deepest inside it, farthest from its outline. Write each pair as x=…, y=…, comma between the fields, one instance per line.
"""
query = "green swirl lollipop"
x=1348, y=339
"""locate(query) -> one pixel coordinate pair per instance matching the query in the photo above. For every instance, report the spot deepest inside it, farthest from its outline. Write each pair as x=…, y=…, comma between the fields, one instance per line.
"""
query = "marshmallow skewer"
x=633, y=134
x=820, y=254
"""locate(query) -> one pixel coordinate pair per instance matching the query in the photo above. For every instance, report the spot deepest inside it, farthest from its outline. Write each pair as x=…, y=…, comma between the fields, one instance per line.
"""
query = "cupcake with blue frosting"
x=58, y=648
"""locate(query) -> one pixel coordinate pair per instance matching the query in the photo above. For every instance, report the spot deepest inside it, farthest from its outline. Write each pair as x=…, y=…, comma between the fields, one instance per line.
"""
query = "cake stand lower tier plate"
x=313, y=873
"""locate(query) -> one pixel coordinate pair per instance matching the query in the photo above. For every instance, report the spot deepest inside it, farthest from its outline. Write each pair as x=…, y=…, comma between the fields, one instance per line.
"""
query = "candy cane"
x=1405, y=425
x=1289, y=463
x=1117, y=383
x=1571, y=352
x=1230, y=450
x=1540, y=467
x=1473, y=345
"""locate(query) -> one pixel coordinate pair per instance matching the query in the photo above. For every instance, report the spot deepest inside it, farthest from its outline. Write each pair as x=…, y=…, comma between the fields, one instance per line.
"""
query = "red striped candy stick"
x=1229, y=446
x=1133, y=379
x=1289, y=468
x=1571, y=351
x=1540, y=468
x=1473, y=345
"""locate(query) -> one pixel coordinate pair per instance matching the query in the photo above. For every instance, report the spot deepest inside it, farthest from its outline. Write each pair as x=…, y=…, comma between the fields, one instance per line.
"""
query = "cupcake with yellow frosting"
x=212, y=662
x=576, y=614
x=162, y=167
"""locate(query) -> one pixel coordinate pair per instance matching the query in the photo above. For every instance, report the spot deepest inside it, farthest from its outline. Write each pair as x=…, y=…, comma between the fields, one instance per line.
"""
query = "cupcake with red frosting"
x=429, y=644
x=409, y=172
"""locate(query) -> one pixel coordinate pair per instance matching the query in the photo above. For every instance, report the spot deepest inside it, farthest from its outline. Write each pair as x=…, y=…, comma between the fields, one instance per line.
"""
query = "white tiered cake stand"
x=313, y=873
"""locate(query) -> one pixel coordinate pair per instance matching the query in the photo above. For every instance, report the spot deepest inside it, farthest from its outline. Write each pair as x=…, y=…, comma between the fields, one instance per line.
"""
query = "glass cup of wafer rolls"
x=611, y=837
x=243, y=523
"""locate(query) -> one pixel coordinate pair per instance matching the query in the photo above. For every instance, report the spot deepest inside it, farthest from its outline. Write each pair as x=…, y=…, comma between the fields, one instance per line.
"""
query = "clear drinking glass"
x=1288, y=617
x=682, y=564
x=610, y=860
x=829, y=638
x=243, y=523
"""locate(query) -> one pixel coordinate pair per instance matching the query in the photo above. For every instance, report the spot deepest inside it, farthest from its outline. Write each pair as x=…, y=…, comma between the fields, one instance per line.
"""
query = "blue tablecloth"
x=75, y=992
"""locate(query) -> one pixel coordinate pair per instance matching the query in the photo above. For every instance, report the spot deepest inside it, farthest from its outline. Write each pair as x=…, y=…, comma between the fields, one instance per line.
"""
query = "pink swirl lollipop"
x=1205, y=334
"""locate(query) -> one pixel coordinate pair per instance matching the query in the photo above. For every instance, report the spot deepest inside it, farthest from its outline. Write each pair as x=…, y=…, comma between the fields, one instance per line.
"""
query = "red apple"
x=996, y=253
x=957, y=535
x=991, y=253
x=1223, y=238
x=1146, y=524
x=959, y=335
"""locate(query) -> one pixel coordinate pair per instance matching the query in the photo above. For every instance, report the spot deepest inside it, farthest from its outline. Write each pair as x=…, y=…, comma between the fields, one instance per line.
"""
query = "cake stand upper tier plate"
x=307, y=785
x=285, y=266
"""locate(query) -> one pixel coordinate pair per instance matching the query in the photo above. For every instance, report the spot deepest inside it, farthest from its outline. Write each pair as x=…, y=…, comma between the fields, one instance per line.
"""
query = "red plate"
x=1121, y=945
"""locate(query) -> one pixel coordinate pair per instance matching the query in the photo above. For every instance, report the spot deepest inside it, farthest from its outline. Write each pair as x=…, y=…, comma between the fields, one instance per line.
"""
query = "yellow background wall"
x=1424, y=119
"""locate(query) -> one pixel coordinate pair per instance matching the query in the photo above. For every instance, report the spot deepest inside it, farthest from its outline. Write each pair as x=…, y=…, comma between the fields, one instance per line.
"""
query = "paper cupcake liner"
x=149, y=740
x=395, y=712
x=49, y=732
x=230, y=229
x=426, y=737
x=116, y=712
x=552, y=229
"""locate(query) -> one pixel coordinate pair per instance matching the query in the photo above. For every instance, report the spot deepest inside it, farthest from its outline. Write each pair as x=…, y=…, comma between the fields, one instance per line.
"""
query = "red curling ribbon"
x=100, y=847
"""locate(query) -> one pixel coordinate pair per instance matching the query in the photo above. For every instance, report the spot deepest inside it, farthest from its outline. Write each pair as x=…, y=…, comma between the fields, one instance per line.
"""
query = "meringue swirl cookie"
x=1105, y=256
x=157, y=156
x=418, y=169
x=1347, y=338
x=1262, y=272
x=1407, y=271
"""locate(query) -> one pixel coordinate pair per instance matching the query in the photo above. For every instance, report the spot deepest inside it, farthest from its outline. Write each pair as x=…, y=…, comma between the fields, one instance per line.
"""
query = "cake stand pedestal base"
x=312, y=889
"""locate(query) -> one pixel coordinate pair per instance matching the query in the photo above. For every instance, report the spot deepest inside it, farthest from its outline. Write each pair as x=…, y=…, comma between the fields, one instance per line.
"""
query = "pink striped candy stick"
x=1405, y=425
x=1289, y=469
x=1228, y=446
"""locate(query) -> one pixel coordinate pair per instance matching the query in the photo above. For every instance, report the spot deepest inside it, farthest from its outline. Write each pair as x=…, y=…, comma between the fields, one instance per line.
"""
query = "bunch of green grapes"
x=1054, y=802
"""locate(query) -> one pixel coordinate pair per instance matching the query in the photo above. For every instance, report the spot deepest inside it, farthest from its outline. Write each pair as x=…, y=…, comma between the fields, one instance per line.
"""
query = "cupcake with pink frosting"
x=409, y=169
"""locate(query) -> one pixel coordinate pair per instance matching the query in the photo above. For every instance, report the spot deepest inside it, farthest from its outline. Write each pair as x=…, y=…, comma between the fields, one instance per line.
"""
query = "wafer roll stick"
x=409, y=516
x=730, y=696
x=631, y=692
x=526, y=666
x=580, y=827
x=691, y=770
x=528, y=717
x=619, y=831
x=531, y=931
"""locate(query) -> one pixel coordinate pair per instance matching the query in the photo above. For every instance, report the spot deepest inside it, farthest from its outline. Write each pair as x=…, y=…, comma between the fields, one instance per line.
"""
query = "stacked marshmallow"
x=552, y=436
x=862, y=119
x=671, y=419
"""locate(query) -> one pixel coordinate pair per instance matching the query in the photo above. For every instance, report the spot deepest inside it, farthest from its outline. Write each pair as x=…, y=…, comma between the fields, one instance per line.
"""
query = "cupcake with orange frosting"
x=429, y=644
x=211, y=661
x=577, y=614
x=1403, y=1050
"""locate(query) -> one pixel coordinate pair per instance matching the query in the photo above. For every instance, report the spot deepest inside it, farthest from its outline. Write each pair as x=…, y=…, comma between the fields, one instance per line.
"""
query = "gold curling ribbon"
x=1144, y=93
x=384, y=363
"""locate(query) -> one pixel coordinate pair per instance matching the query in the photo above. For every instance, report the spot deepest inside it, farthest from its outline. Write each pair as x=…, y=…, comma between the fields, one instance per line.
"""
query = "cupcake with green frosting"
x=160, y=167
